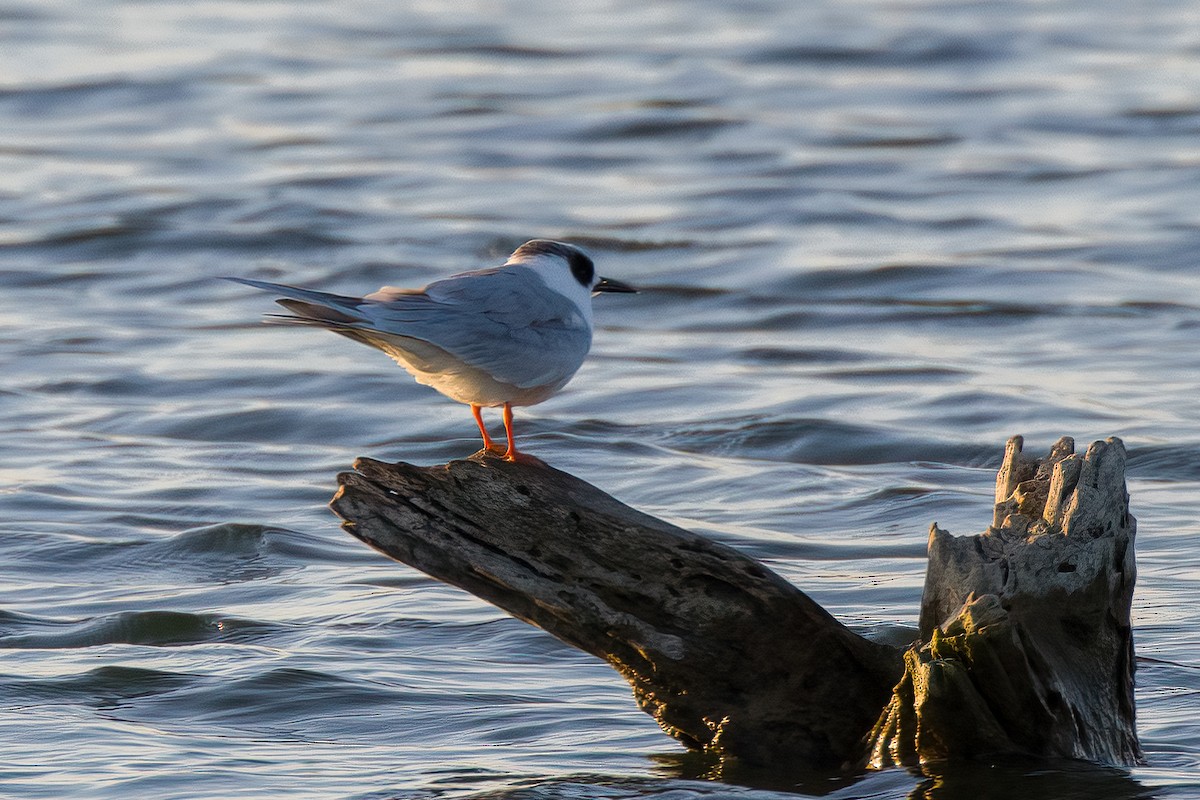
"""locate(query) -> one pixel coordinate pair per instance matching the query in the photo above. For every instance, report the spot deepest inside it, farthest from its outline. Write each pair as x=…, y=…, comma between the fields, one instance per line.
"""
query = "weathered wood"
x=1027, y=643
x=727, y=656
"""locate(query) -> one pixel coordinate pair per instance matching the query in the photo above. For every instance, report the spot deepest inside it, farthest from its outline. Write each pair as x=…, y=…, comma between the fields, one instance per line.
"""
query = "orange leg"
x=487, y=440
x=511, y=455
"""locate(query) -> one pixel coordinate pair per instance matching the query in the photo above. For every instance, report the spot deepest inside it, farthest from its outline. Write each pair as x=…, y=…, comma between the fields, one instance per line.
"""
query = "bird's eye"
x=583, y=269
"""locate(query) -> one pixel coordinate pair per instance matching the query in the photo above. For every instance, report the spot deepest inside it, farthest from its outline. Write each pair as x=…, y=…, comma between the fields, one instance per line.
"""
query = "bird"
x=507, y=336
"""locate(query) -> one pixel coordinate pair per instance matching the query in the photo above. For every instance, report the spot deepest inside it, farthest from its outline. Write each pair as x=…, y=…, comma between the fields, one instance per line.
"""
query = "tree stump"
x=1026, y=644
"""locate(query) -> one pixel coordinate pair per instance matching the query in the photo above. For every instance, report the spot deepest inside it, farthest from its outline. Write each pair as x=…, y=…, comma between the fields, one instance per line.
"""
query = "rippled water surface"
x=876, y=239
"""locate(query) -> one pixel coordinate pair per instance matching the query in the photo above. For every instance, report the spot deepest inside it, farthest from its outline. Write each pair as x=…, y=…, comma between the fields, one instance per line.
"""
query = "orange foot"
x=489, y=446
x=524, y=458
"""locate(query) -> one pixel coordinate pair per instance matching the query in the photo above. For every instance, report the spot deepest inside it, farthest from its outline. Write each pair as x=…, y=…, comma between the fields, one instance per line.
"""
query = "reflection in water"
x=986, y=780
x=1057, y=780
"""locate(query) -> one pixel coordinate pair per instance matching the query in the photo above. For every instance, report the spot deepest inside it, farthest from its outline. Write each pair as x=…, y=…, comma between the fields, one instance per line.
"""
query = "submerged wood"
x=726, y=655
x=1026, y=645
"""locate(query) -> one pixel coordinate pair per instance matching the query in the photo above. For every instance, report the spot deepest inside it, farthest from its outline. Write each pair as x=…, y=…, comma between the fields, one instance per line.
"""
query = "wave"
x=153, y=628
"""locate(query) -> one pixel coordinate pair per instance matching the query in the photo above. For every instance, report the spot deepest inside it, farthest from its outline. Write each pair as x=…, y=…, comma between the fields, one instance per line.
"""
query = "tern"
x=513, y=335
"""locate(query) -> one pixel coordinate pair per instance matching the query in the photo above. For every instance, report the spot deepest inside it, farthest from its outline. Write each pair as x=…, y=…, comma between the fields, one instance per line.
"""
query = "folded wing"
x=502, y=321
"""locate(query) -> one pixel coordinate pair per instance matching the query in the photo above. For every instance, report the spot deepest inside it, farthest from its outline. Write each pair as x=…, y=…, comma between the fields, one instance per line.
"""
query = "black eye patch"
x=582, y=268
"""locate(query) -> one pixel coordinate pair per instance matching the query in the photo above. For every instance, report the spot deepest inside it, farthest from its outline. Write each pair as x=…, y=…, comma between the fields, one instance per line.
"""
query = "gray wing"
x=503, y=321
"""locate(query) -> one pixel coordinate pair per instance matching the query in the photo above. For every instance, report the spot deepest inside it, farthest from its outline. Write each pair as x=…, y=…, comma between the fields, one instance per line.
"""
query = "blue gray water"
x=877, y=238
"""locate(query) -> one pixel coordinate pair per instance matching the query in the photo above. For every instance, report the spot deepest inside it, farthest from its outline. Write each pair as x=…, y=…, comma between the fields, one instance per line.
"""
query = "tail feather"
x=315, y=314
x=339, y=301
x=343, y=315
x=319, y=309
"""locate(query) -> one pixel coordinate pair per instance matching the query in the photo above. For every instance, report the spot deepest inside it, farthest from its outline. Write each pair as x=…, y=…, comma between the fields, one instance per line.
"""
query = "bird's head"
x=566, y=269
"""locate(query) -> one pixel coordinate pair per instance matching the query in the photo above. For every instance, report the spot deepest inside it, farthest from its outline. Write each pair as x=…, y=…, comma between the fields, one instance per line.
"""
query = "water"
x=877, y=238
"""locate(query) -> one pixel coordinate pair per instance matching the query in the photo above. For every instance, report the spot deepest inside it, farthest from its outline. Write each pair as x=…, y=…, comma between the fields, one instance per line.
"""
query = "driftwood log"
x=1026, y=646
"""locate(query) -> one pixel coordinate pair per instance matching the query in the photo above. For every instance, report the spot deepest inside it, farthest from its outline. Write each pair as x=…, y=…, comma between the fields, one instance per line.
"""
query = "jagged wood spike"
x=1026, y=636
